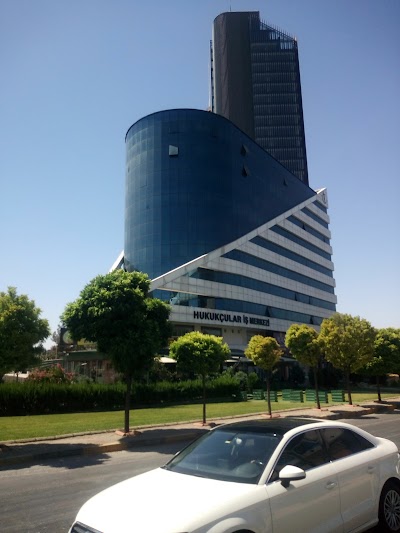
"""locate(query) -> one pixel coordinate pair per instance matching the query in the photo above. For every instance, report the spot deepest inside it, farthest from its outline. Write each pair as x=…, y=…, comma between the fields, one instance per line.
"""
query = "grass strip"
x=28, y=427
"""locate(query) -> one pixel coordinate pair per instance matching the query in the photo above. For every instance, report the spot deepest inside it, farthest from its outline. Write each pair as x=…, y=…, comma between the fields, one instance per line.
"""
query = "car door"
x=310, y=505
x=357, y=466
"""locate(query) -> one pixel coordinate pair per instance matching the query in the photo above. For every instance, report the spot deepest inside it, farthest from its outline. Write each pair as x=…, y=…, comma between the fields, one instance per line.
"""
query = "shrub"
x=253, y=381
x=53, y=374
x=297, y=376
x=44, y=397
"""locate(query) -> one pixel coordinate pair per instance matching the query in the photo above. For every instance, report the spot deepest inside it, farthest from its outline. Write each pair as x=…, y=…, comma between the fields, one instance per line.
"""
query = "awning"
x=166, y=360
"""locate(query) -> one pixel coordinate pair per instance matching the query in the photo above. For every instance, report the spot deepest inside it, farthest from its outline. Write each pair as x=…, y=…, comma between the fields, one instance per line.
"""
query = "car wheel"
x=389, y=507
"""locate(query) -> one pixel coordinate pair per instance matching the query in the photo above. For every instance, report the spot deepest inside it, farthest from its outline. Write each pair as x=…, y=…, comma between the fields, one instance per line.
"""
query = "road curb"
x=98, y=449
x=164, y=434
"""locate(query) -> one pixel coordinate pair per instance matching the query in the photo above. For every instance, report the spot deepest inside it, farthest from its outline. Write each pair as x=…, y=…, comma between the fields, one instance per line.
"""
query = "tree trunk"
x=348, y=386
x=127, y=401
x=315, y=370
x=204, y=399
x=378, y=386
x=269, y=394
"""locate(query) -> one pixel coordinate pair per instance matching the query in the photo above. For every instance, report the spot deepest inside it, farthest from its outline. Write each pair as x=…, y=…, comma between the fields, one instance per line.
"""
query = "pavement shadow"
x=59, y=454
x=50, y=455
x=390, y=412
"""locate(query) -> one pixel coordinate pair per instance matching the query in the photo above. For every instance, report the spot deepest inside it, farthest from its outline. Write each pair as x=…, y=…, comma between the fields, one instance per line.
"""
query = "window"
x=258, y=262
x=212, y=331
x=343, y=442
x=181, y=329
x=273, y=247
x=298, y=240
x=245, y=171
x=226, y=454
x=305, y=451
x=244, y=150
x=173, y=151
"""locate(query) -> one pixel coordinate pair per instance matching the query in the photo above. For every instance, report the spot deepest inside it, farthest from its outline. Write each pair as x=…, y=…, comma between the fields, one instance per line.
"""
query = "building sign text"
x=230, y=318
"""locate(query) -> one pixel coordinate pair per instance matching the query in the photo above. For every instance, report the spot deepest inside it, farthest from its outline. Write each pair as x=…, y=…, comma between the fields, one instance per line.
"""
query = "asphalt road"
x=387, y=425
x=45, y=498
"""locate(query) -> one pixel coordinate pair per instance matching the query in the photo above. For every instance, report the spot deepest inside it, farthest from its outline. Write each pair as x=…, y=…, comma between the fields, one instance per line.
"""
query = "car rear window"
x=344, y=442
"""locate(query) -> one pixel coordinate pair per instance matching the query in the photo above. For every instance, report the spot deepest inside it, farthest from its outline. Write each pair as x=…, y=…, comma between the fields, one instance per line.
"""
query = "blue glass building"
x=237, y=243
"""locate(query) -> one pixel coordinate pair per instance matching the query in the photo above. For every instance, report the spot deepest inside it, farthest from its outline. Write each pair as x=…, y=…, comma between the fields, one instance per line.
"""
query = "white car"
x=284, y=475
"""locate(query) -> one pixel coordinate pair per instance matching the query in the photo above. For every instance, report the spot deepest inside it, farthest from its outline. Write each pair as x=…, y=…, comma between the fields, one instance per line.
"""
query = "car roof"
x=279, y=426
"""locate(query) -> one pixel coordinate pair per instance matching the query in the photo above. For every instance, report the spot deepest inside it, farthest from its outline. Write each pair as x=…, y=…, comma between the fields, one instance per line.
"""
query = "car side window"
x=344, y=442
x=305, y=451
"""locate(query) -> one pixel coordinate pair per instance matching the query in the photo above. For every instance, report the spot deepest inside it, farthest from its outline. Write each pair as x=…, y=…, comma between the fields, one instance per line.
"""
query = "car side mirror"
x=290, y=473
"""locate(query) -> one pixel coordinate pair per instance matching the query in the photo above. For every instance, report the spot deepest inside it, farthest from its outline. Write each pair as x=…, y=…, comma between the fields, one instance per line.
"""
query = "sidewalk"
x=97, y=443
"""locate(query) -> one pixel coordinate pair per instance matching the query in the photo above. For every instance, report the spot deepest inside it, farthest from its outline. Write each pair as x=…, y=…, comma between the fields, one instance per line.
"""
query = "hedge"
x=32, y=398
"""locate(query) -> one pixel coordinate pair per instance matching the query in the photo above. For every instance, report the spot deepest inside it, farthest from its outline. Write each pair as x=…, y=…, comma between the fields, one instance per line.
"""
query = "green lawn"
x=27, y=427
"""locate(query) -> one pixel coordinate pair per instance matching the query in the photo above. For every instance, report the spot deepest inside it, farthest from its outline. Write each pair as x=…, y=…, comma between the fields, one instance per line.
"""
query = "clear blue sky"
x=76, y=74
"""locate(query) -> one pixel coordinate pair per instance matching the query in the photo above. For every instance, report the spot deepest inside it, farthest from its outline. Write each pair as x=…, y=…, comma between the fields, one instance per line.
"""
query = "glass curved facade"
x=195, y=182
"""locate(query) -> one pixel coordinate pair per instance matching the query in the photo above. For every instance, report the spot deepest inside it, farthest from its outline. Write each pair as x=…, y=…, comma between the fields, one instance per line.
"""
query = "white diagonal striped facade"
x=278, y=274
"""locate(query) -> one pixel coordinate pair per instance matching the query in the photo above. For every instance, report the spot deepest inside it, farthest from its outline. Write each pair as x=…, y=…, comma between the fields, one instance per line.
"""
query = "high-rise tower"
x=218, y=210
x=232, y=239
x=255, y=83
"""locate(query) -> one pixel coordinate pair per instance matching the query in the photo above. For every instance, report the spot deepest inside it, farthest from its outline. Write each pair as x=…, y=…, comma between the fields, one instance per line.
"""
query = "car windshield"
x=228, y=455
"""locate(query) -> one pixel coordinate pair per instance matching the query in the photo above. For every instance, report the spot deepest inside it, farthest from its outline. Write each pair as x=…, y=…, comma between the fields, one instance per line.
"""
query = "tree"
x=265, y=353
x=386, y=356
x=348, y=343
x=201, y=354
x=56, y=335
x=116, y=312
x=302, y=341
x=22, y=331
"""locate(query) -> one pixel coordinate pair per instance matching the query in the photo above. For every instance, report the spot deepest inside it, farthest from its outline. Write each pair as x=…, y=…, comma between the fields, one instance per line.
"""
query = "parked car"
x=280, y=475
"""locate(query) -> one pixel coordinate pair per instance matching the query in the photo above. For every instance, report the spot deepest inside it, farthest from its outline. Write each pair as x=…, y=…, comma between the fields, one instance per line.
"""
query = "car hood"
x=166, y=502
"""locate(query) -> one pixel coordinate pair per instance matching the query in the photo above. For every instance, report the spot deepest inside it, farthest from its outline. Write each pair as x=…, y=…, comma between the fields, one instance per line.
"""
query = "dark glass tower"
x=255, y=83
x=234, y=241
x=195, y=182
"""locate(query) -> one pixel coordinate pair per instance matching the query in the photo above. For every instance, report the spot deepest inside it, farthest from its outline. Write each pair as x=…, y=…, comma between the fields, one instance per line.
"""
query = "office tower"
x=234, y=241
x=218, y=210
x=255, y=83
